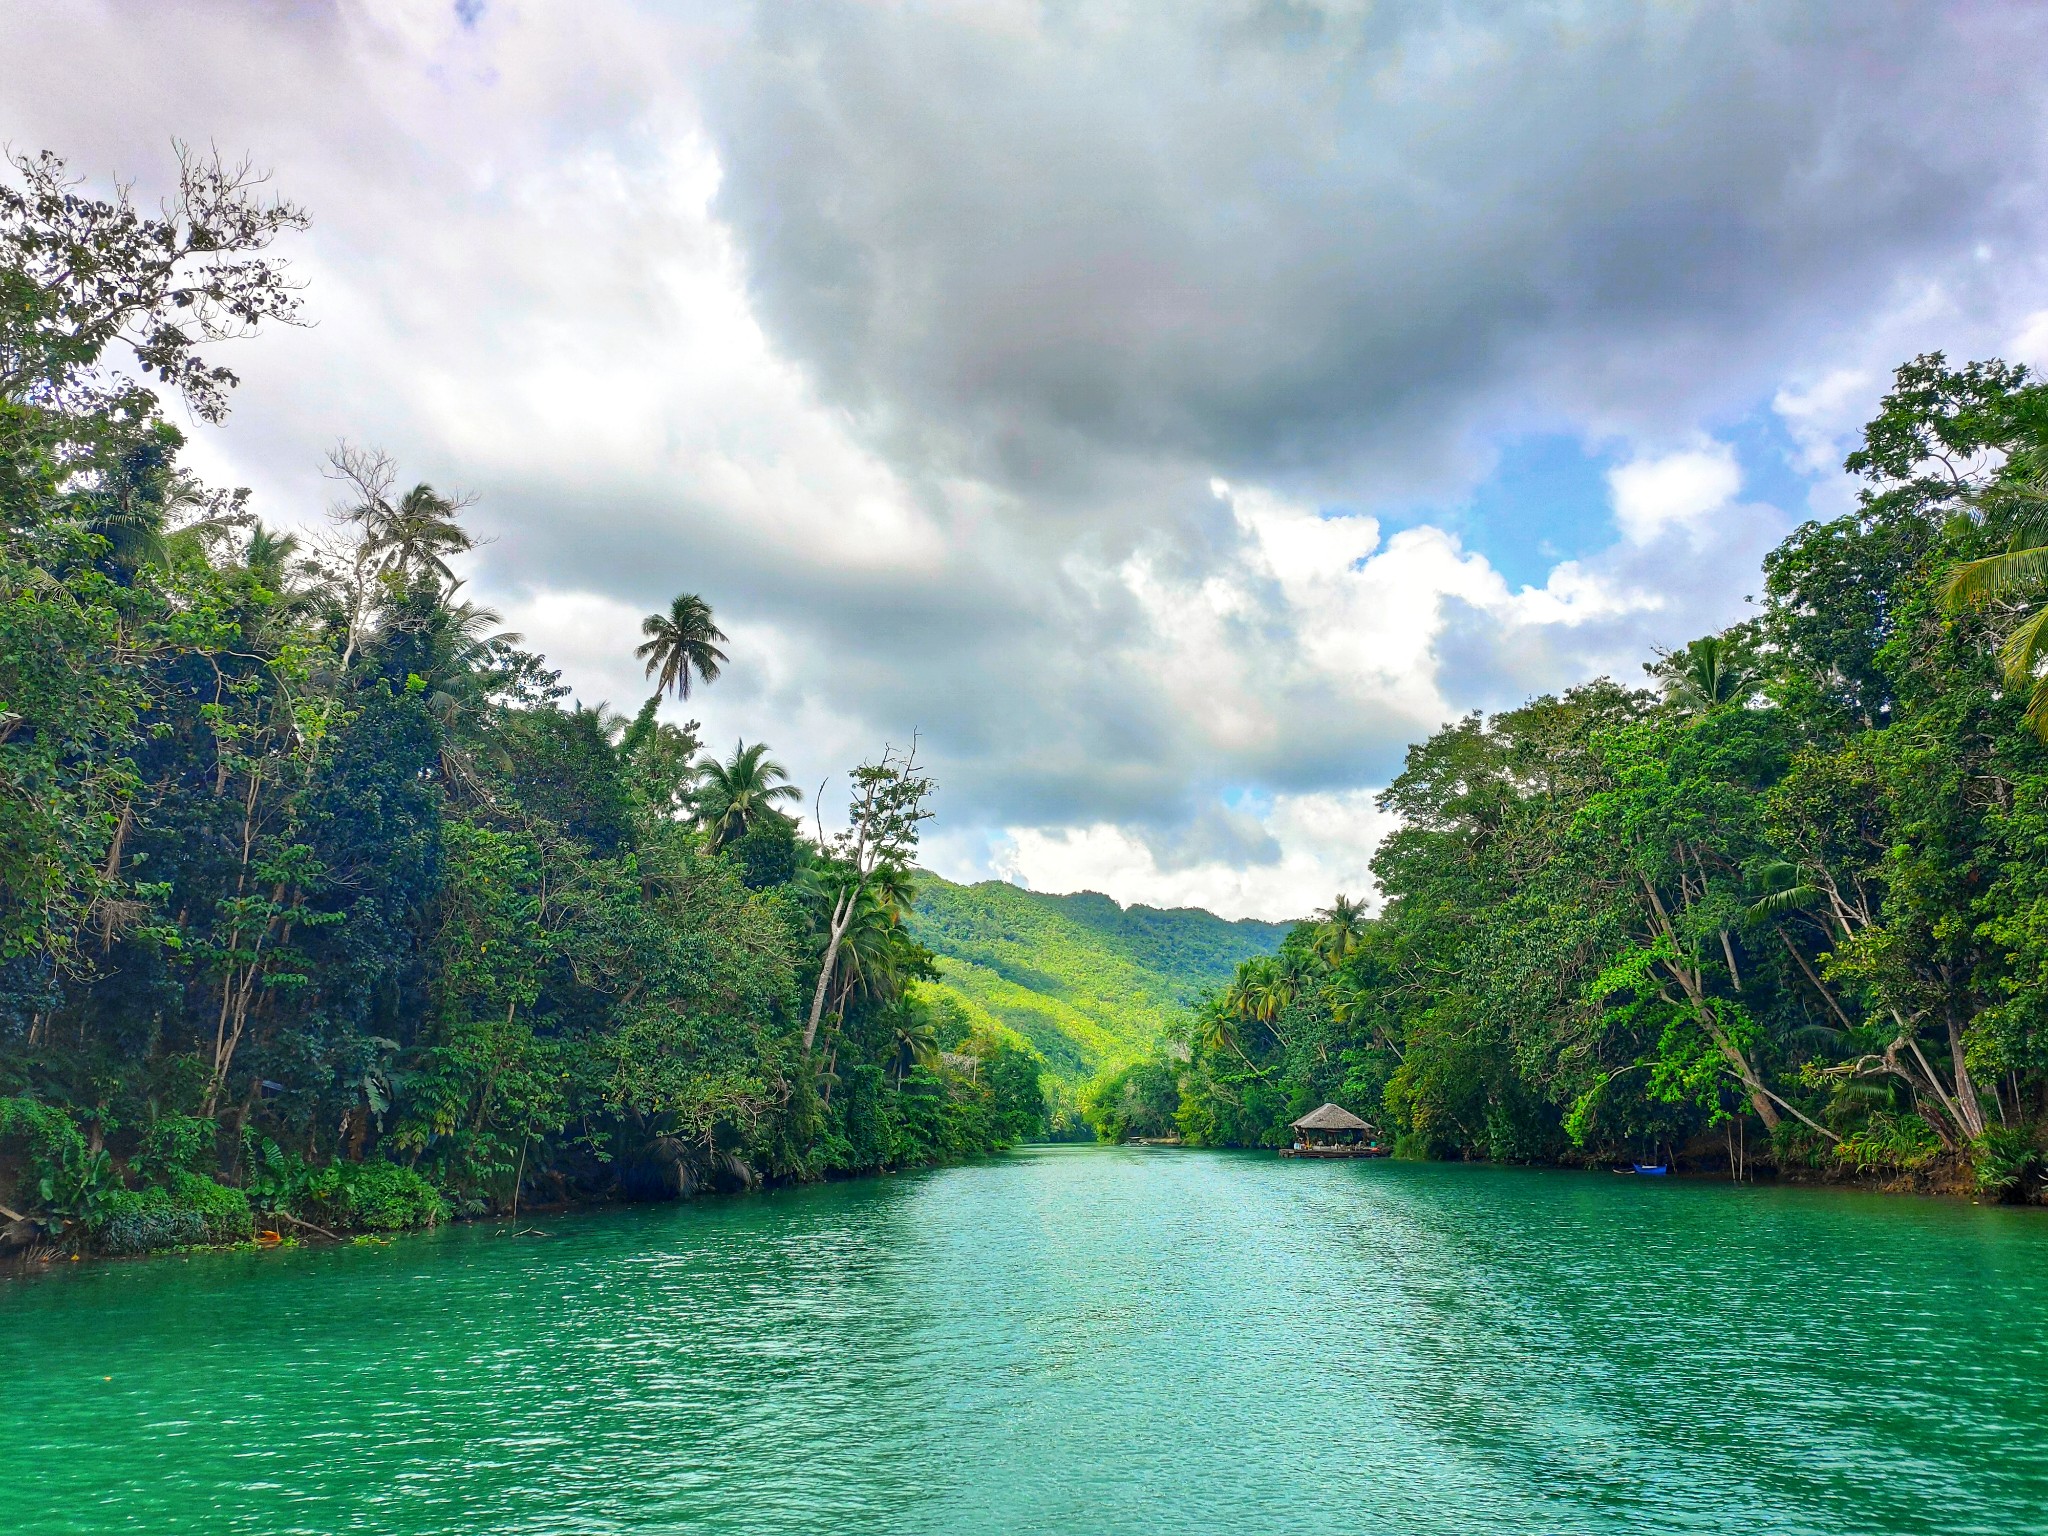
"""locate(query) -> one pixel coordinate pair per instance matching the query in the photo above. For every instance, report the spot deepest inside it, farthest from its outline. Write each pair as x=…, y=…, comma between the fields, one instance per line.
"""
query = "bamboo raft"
x=1365, y=1151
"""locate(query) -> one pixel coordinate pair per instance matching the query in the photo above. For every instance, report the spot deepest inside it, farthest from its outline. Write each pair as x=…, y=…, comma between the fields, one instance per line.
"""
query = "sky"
x=1167, y=412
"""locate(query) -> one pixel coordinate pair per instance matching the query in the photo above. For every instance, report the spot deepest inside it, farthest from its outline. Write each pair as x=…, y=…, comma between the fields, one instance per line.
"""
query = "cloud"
x=1322, y=239
x=1821, y=416
x=1674, y=492
x=2030, y=344
x=1093, y=390
x=1322, y=843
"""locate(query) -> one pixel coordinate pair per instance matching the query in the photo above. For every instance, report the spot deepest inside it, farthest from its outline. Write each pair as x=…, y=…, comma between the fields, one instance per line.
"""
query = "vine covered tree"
x=890, y=801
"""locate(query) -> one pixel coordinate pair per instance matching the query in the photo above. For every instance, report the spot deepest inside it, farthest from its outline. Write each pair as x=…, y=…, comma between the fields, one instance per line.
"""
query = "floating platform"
x=1334, y=1152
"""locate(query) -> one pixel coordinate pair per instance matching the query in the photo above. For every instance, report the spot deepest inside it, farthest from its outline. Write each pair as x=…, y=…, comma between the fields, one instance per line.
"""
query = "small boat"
x=1651, y=1170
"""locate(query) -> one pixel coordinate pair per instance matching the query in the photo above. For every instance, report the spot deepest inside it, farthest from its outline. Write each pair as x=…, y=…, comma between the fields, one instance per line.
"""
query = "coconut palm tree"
x=878, y=956
x=1216, y=1030
x=274, y=566
x=1263, y=988
x=2021, y=567
x=894, y=889
x=734, y=797
x=417, y=536
x=268, y=557
x=679, y=642
x=455, y=650
x=1340, y=927
x=915, y=1039
x=1708, y=672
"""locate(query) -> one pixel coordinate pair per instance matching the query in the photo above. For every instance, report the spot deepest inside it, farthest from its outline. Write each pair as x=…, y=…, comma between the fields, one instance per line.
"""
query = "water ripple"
x=1070, y=1340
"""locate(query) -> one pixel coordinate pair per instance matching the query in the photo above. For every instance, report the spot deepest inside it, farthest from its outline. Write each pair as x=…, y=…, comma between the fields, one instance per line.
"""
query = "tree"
x=416, y=536
x=889, y=802
x=915, y=1038
x=734, y=797
x=679, y=642
x=1339, y=928
x=79, y=275
x=1708, y=673
x=2020, y=497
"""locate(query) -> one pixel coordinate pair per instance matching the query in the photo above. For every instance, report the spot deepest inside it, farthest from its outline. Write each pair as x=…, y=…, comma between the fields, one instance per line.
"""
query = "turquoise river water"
x=1071, y=1340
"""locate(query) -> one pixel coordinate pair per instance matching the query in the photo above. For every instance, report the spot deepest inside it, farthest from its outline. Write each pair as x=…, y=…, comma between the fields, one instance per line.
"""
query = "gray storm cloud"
x=1321, y=239
x=915, y=335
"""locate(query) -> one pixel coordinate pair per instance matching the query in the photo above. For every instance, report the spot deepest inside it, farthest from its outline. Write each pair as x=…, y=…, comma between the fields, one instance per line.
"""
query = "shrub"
x=176, y=1144
x=144, y=1221
x=2004, y=1161
x=1888, y=1141
x=277, y=1180
x=224, y=1210
x=374, y=1197
x=187, y=1209
x=62, y=1177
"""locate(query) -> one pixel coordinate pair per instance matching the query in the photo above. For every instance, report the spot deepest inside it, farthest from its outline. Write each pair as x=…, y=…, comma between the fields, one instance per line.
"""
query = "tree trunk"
x=842, y=919
x=1971, y=1110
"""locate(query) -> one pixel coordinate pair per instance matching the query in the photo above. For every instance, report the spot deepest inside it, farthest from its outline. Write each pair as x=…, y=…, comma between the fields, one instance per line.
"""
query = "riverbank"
x=276, y=1231
x=1950, y=1180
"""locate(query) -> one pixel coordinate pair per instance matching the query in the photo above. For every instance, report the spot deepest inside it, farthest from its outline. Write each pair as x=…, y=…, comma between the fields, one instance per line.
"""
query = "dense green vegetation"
x=320, y=909
x=1088, y=983
x=1786, y=906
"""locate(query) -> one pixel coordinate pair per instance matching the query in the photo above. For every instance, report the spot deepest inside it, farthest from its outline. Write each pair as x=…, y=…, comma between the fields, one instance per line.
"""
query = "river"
x=1072, y=1340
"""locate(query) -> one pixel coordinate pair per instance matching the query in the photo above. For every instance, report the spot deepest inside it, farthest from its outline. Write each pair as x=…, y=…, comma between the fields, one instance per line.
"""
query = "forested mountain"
x=1088, y=982
x=1783, y=900
x=322, y=907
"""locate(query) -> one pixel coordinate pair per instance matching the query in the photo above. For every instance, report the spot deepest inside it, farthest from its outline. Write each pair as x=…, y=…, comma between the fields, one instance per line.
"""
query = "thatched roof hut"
x=1331, y=1118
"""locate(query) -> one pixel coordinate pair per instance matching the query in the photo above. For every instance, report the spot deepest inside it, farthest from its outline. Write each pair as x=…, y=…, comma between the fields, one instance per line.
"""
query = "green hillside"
x=1084, y=980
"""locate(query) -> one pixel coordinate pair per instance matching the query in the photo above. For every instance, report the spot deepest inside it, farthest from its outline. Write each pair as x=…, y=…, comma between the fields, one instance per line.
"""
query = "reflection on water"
x=1070, y=1340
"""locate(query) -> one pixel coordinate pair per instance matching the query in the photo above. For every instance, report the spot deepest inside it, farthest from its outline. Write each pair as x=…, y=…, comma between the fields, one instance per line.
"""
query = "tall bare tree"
x=889, y=802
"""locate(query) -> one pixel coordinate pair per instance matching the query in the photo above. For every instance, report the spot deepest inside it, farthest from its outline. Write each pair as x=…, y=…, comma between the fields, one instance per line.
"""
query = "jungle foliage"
x=321, y=907
x=1785, y=904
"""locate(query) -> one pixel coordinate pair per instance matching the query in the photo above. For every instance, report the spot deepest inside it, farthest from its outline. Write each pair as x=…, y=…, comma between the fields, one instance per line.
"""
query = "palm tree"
x=416, y=537
x=878, y=956
x=273, y=565
x=915, y=1039
x=1216, y=1028
x=1263, y=989
x=455, y=651
x=2021, y=567
x=1339, y=928
x=1708, y=672
x=894, y=889
x=735, y=797
x=679, y=642
x=268, y=557
x=611, y=724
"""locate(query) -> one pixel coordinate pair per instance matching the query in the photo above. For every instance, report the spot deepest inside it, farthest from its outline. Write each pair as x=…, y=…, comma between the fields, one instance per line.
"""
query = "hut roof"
x=1330, y=1118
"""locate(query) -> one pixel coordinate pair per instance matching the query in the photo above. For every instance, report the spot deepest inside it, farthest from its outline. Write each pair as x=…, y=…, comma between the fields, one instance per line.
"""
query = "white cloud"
x=1326, y=845
x=1821, y=417
x=1673, y=491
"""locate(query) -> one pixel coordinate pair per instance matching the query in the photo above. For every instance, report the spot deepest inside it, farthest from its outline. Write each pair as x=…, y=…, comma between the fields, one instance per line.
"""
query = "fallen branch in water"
x=309, y=1226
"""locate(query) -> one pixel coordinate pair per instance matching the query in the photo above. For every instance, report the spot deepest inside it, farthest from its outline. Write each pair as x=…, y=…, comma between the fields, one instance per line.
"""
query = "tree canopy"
x=1785, y=908
x=322, y=908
